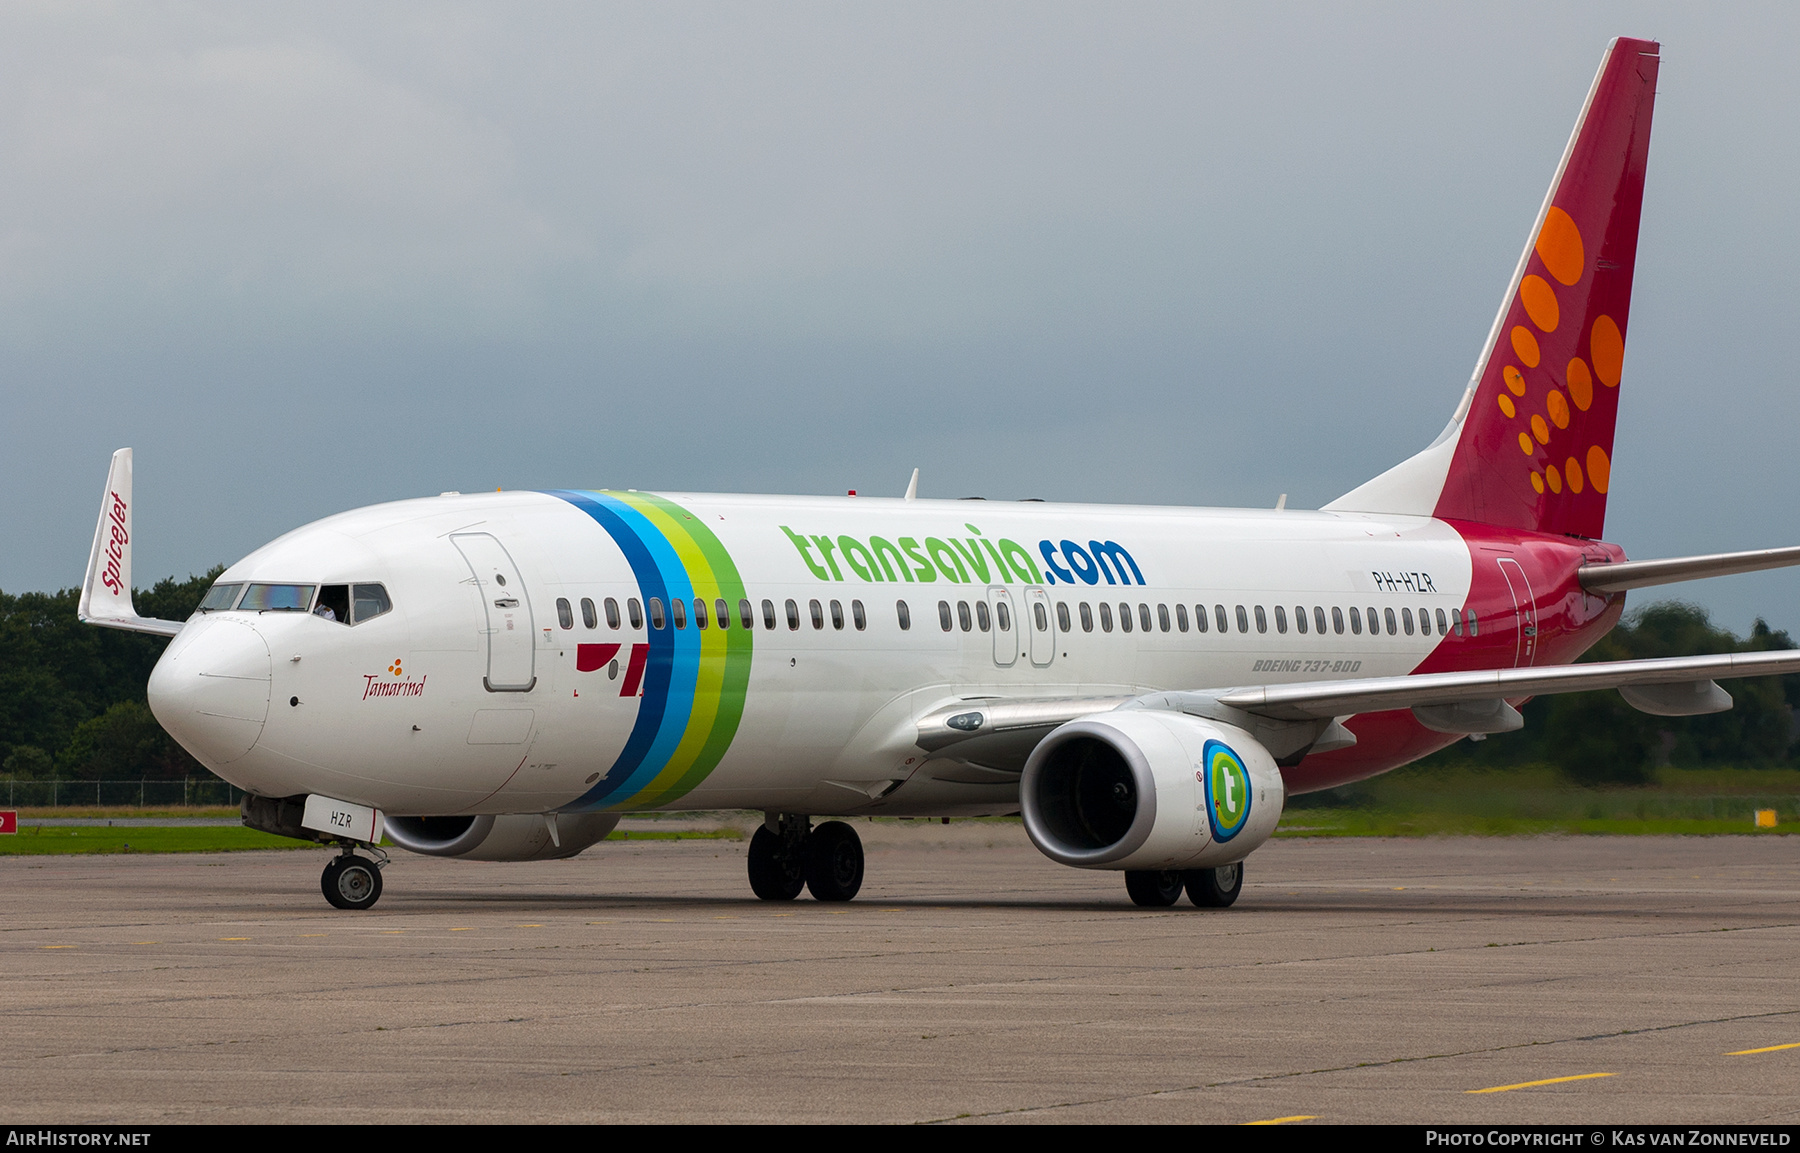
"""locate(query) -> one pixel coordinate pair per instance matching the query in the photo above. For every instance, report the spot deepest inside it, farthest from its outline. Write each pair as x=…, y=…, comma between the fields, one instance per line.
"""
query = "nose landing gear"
x=353, y=882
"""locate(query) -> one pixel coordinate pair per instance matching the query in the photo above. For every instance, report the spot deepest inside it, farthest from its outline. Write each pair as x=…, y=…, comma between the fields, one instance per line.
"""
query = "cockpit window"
x=334, y=603
x=220, y=596
x=370, y=601
x=277, y=598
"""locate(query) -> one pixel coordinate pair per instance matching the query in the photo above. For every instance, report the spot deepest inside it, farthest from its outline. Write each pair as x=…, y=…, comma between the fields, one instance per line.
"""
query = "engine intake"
x=1149, y=789
x=507, y=837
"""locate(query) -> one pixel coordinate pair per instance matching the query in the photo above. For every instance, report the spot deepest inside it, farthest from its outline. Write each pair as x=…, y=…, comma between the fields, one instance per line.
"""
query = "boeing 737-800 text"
x=499, y=676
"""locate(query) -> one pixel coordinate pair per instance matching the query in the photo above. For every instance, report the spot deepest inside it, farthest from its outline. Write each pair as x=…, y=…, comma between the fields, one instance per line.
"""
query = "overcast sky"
x=308, y=257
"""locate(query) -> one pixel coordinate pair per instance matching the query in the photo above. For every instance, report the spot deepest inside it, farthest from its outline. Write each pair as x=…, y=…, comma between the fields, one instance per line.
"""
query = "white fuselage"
x=467, y=697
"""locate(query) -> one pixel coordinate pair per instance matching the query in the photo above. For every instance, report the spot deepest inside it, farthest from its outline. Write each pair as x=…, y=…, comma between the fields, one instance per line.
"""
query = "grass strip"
x=37, y=840
x=1365, y=823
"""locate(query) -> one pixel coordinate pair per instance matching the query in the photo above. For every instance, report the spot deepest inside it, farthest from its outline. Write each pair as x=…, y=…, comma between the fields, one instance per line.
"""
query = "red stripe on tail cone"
x=1536, y=449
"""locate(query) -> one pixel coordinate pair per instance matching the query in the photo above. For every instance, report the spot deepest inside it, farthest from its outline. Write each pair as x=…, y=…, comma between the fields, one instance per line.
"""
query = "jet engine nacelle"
x=1149, y=789
x=508, y=837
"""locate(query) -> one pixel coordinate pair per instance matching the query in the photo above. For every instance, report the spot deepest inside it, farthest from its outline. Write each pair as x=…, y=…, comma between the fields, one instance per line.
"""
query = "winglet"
x=106, y=593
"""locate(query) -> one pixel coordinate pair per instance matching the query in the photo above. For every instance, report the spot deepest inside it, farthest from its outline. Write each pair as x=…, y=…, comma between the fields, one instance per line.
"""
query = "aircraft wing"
x=1298, y=717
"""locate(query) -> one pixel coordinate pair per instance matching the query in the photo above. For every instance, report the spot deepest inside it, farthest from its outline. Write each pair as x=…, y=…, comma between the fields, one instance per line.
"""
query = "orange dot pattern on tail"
x=1549, y=379
x=1559, y=247
x=1563, y=254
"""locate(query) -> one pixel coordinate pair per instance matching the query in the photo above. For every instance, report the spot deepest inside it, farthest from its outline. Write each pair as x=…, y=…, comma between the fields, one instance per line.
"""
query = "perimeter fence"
x=144, y=794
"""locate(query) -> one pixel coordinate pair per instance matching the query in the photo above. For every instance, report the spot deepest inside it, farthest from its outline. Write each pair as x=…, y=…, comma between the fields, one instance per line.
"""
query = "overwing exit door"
x=1042, y=625
x=1006, y=636
x=507, y=613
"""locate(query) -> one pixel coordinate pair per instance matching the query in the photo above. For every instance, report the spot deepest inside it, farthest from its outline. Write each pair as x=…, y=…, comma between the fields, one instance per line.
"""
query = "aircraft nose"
x=210, y=690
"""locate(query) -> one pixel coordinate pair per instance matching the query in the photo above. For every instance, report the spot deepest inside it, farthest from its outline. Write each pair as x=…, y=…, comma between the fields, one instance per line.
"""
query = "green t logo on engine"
x=1227, y=790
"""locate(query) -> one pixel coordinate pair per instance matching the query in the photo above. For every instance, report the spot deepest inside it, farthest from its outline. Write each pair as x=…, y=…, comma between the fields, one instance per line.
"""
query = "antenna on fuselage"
x=912, y=487
x=1281, y=503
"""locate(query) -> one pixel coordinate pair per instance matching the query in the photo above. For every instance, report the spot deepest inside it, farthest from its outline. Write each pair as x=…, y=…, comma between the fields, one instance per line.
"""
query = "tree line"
x=72, y=704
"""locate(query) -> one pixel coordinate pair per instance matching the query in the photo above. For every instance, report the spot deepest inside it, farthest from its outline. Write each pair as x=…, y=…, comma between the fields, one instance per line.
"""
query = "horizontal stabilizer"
x=1637, y=574
x=106, y=593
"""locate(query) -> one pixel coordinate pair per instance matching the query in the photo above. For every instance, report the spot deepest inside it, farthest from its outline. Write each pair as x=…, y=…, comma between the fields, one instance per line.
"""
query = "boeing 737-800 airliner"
x=500, y=676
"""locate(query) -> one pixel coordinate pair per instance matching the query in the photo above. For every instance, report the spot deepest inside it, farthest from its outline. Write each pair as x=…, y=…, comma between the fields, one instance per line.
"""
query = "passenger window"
x=1062, y=617
x=1199, y=618
x=1243, y=620
x=1443, y=625
x=857, y=616
x=944, y=614
x=1181, y=617
x=722, y=613
x=1299, y=619
x=1087, y=618
x=818, y=614
x=612, y=612
x=1043, y=618
x=1262, y=621
x=1456, y=622
x=1374, y=623
x=962, y=616
x=589, y=618
x=905, y=615
x=565, y=615
x=1003, y=617
x=637, y=613
x=657, y=620
x=1125, y=617
x=1392, y=631
x=1337, y=620
x=1219, y=619
x=768, y=614
x=1280, y=620
x=1162, y=617
x=1355, y=622
x=1405, y=620
x=220, y=597
x=369, y=601
x=699, y=613
x=1319, y=620
x=1474, y=626
x=679, y=610
x=793, y=616
x=333, y=603
x=747, y=614
x=837, y=615
x=1105, y=617
x=982, y=620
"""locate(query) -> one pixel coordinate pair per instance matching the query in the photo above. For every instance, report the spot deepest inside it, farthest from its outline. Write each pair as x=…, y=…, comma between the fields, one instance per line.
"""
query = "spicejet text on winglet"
x=974, y=559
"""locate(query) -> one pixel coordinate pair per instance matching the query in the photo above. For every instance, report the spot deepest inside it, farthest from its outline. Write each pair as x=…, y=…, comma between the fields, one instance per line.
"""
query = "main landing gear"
x=786, y=855
x=1207, y=888
x=353, y=882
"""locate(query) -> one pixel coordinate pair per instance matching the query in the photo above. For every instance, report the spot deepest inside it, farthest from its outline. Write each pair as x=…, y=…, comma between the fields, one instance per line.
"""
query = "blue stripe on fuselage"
x=674, y=660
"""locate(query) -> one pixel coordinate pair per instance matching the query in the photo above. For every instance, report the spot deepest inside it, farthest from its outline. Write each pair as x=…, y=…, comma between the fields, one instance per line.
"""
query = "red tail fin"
x=1531, y=445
